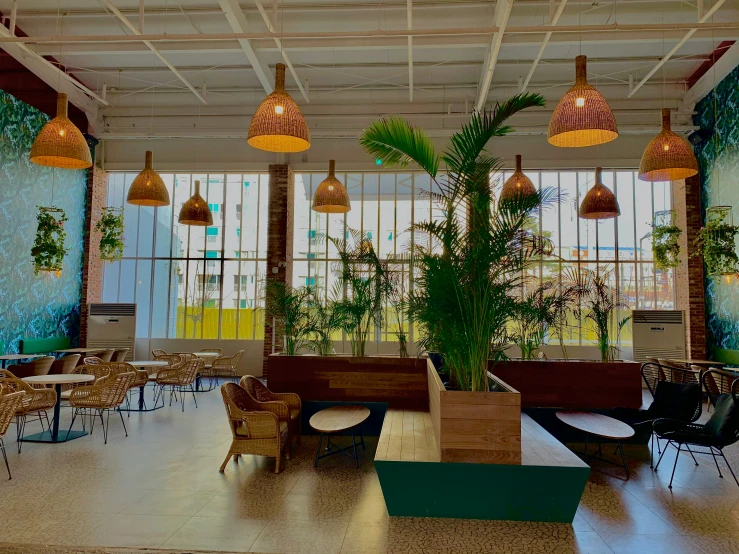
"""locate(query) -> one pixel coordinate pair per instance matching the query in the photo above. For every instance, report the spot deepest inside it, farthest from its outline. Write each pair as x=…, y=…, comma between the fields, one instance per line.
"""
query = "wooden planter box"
x=475, y=427
x=401, y=382
x=582, y=385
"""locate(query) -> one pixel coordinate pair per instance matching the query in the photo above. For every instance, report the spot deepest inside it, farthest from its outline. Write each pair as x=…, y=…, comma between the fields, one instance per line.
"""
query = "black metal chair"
x=677, y=396
x=720, y=431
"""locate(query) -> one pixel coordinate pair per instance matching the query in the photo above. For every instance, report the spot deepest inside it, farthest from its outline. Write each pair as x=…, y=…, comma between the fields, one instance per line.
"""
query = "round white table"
x=57, y=381
x=207, y=356
x=146, y=364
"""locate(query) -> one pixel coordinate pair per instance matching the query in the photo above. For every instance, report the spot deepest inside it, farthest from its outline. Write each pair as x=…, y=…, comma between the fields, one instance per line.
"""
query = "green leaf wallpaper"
x=35, y=306
x=718, y=158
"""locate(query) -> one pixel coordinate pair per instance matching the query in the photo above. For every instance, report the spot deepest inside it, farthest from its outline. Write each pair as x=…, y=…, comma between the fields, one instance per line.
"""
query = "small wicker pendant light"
x=668, y=156
x=60, y=143
x=331, y=196
x=599, y=202
x=278, y=124
x=147, y=188
x=196, y=211
x=582, y=117
x=518, y=184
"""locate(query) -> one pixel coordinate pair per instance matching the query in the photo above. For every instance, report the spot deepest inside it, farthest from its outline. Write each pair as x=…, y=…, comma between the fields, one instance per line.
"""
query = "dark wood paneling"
x=573, y=384
x=401, y=382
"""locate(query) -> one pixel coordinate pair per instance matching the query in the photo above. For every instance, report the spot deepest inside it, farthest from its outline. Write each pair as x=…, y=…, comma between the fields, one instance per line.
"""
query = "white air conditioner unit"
x=658, y=334
x=112, y=326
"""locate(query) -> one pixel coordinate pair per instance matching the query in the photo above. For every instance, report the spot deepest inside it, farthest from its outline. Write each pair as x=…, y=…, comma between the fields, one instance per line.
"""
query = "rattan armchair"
x=226, y=366
x=156, y=353
x=39, y=366
x=253, y=429
x=259, y=392
x=98, y=371
x=9, y=406
x=108, y=394
x=65, y=364
x=106, y=355
x=35, y=402
x=93, y=360
x=178, y=379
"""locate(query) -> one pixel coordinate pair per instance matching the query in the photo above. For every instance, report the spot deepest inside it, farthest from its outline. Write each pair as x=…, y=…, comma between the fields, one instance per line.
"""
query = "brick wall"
x=279, y=242
x=689, y=282
x=92, y=266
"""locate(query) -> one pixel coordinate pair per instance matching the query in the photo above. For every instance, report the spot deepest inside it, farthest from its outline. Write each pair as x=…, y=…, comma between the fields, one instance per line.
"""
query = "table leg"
x=57, y=409
x=586, y=447
x=141, y=397
x=623, y=459
x=318, y=452
x=354, y=446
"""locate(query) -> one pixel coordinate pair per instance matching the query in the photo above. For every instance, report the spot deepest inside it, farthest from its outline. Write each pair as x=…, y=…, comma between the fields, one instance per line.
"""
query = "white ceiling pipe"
x=409, y=17
x=278, y=42
x=555, y=18
x=378, y=33
x=677, y=47
x=153, y=48
x=502, y=13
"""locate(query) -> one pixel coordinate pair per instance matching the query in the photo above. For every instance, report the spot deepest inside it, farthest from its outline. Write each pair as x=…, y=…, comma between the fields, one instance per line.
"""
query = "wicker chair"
x=254, y=430
x=119, y=355
x=96, y=370
x=9, y=406
x=178, y=379
x=173, y=360
x=216, y=350
x=39, y=366
x=259, y=392
x=34, y=402
x=64, y=365
x=226, y=366
x=107, y=355
x=93, y=360
x=156, y=353
x=108, y=394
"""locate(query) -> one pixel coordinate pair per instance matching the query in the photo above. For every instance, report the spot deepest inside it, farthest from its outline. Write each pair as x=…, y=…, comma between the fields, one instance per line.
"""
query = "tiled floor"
x=160, y=488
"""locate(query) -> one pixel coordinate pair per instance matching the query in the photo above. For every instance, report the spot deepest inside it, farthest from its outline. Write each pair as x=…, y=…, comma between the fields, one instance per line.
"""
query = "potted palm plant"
x=290, y=308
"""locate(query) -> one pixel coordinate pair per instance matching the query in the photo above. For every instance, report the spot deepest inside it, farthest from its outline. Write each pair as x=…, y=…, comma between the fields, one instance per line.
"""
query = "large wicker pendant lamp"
x=582, y=117
x=517, y=185
x=278, y=124
x=196, y=211
x=147, y=188
x=331, y=196
x=60, y=143
x=599, y=202
x=668, y=156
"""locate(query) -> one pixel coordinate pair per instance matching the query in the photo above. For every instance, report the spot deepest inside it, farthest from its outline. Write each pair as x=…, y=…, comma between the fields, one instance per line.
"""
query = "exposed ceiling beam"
x=237, y=21
x=723, y=66
x=79, y=95
x=502, y=13
x=705, y=17
x=153, y=48
x=555, y=18
x=376, y=34
x=409, y=16
x=278, y=42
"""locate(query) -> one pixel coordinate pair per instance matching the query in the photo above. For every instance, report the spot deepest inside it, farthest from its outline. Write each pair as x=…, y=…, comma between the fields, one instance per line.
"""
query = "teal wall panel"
x=35, y=306
x=718, y=159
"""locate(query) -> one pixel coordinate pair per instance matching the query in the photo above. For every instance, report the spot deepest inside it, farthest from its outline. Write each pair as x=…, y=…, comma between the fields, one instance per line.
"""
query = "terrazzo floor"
x=160, y=488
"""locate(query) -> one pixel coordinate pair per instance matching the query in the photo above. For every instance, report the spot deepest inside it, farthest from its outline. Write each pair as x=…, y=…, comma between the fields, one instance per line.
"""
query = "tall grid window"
x=194, y=282
x=385, y=205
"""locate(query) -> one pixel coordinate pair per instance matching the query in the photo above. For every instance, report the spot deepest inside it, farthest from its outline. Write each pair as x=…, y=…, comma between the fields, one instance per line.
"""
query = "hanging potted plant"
x=48, y=247
x=110, y=226
x=665, y=240
x=716, y=242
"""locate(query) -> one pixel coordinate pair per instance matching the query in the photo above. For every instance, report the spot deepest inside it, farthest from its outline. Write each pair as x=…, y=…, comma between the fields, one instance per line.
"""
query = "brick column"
x=279, y=242
x=689, y=282
x=92, y=266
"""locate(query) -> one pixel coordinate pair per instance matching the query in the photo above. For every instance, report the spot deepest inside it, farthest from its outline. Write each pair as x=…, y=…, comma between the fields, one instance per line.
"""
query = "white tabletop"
x=81, y=350
x=20, y=356
x=206, y=354
x=148, y=363
x=63, y=379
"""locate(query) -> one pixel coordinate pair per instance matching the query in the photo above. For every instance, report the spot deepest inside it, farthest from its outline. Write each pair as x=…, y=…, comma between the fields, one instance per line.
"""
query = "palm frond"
x=397, y=143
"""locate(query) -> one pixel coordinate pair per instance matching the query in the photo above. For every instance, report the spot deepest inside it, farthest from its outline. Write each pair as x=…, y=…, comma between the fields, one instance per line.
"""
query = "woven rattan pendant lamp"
x=668, y=156
x=278, y=124
x=582, y=117
x=599, y=202
x=518, y=184
x=60, y=143
x=147, y=188
x=196, y=211
x=331, y=196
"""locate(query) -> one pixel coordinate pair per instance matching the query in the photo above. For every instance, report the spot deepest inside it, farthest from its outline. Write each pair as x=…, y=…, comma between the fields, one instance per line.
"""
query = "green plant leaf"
x=397, y=143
